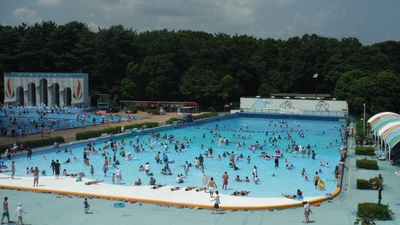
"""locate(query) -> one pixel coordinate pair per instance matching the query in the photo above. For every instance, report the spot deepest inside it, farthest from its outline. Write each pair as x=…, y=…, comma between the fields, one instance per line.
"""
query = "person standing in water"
x=36, y=177
x=316, y=179
x=12, y=170
x=225, y=178
x=57, y=168
x=212, y=186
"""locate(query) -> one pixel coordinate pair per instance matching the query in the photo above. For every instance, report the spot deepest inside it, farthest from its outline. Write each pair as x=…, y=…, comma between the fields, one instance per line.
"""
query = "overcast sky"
x=371, y=21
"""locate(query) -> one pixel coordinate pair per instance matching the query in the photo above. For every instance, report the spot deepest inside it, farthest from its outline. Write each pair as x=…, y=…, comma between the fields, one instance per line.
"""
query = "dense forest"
x=211, y=69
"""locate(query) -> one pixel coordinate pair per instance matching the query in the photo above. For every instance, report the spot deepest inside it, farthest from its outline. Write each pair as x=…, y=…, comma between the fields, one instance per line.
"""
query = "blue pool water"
x=323, y=136
x=30, y=120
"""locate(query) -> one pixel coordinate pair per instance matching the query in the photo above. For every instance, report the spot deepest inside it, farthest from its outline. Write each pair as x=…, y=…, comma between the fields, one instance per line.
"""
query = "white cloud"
x=313, y=23
x=388, y=36
x=284, y=2
x=326, y=16
x=27, y=15
x=280, y=19
x=236, y=12
x=298, y=25
x=94, y=26
x=48, y=2
x=352, y=33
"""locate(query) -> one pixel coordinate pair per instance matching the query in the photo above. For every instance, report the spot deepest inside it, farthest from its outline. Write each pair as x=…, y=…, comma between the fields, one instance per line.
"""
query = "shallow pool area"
x=323, y=136
x=31, y=120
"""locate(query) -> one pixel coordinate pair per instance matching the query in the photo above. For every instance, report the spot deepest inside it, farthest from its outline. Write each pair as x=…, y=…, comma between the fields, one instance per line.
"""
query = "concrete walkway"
x=44, y=208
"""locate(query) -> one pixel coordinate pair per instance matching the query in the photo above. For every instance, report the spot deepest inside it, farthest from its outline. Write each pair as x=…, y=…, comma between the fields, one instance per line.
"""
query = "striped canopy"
x=386, y=126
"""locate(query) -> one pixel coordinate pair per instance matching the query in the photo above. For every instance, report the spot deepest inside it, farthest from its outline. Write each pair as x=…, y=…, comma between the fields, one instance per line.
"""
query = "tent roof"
x=390, y=130
x=379, y=116
x=392, y=135
x=382, y=122
x=394, y=141
x=387, y=126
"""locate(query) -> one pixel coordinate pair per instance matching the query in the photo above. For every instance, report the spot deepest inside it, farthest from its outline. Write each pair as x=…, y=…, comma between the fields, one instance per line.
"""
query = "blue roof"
x=42, y=74
x=385, y=121
x=392, y=136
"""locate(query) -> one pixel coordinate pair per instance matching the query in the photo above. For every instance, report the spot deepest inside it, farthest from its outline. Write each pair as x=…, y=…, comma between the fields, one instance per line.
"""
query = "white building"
x=46, y=89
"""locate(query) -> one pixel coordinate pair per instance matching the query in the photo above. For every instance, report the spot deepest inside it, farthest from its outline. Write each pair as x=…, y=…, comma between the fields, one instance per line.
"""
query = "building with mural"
x=294, y=106
x=46, y=89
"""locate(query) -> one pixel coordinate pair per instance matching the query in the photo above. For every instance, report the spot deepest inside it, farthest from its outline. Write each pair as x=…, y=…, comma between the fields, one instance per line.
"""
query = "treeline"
x=211, y=69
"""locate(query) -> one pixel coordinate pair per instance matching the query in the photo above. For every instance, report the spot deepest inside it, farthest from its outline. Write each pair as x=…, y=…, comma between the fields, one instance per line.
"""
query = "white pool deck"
x=145, y=194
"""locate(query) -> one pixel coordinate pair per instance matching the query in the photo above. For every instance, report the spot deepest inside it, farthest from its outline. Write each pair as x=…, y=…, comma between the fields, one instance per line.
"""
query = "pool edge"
x=315, y=202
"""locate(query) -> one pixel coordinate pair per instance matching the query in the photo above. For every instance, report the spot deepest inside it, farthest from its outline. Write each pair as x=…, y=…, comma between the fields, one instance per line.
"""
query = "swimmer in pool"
x=303, y=172
x=138, y=182
x=238, y=179
x=299, y=193
x=256, y=180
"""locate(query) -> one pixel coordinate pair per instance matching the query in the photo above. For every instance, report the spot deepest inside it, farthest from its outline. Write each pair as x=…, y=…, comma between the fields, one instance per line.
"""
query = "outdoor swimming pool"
x=30, y=120
x=323, y=136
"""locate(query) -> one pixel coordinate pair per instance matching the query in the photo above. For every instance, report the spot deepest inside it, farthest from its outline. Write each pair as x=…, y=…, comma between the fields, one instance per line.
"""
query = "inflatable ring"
x=206, y=179
x=119, y=205
x=317, y=204
x=321, y=184
x=171, y=161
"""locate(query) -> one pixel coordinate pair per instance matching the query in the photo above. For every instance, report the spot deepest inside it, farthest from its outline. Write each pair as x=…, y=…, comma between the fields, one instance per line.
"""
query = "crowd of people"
x=111, y=150
x=20, y=120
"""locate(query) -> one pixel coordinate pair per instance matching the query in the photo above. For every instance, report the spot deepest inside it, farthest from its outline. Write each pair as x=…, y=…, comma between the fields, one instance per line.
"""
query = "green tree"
x=131, y=86
x=37, y=54
x=115, y=47
x=200, y=85
x=72, y=46
x=384, y=94
x=160, y=78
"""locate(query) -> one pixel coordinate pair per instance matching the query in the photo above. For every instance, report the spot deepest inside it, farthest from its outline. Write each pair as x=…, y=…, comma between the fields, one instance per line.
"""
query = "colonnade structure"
x=385, y=127
x=46, y=89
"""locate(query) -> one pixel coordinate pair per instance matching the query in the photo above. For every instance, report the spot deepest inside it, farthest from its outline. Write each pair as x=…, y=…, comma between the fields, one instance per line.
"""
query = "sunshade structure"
x=386, y=129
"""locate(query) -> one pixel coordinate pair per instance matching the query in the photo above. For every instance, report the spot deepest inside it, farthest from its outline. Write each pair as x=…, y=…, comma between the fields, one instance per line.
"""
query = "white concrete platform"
x=145, y=194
